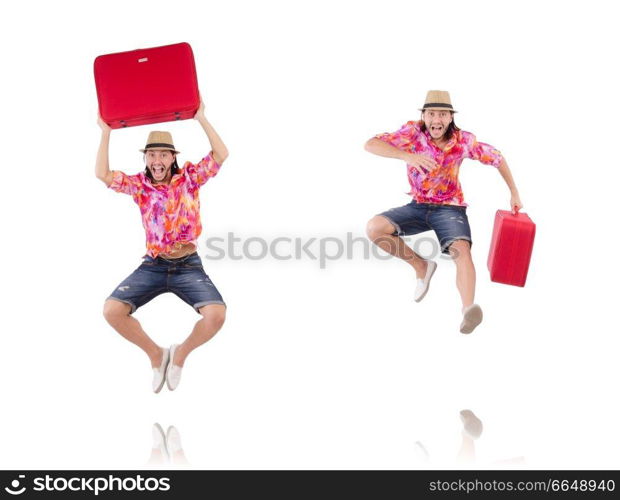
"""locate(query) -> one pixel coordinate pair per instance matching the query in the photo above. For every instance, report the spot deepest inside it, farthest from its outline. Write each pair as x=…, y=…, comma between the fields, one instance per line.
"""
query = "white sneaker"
x=159, y=374
x=472, y=317
x=173, y=440
x=173, y=373
x=422, y=284
x=159, y=442
x=420, y=451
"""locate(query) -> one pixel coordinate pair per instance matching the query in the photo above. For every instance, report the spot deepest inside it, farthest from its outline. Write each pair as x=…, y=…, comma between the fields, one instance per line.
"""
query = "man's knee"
x=214, y=314
x=379, y=226
x=113, y=310
x=460, y=249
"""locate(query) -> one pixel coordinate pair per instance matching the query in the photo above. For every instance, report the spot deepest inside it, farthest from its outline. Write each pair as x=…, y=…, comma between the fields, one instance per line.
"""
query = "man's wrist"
x=405, y=156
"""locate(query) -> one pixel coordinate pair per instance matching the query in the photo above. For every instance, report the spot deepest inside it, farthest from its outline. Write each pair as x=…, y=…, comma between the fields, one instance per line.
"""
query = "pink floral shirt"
x=440, y=185
x=170, y=212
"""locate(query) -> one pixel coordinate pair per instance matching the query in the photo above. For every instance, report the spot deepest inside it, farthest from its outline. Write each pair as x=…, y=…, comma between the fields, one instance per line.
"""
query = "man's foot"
x=472, y=317
x=472, y=426
x=159, y=442
x=422, y=283
x=420, y=451
x=159, y=372
x=173, y=374
x=173, y=440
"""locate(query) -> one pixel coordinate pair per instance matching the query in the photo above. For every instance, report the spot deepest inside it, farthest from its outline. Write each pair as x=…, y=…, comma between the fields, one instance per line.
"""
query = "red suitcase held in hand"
x=147, y=85
x=511, y=248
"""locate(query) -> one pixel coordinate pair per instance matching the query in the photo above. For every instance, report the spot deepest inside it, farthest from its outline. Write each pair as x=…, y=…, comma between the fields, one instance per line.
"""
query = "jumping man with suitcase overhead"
x=168, y=197
x=434, y=149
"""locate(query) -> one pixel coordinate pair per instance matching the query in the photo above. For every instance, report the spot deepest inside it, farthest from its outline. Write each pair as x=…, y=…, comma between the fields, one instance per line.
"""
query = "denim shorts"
x=184, y=277
x=449, y=222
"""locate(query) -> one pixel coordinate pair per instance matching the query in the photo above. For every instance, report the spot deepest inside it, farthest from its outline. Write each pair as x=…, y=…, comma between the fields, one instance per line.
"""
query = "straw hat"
x=438, y=99
x=159, y=141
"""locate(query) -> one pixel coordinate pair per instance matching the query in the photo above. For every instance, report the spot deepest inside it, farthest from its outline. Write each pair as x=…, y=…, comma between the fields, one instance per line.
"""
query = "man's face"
x=159, y=164
x=436, y=121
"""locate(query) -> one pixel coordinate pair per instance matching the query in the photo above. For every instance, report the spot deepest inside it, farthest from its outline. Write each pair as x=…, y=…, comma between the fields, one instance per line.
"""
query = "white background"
x=318, y=369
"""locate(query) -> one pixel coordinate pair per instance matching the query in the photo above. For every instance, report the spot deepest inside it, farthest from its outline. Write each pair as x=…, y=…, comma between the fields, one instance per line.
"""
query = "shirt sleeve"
x=123, y=183
x=484, y=153
x=403, y=138
x=203, y=170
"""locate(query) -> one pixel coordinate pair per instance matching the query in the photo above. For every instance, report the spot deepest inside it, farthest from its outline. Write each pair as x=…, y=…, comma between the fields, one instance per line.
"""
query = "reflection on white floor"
x=471, y=432
x=167, y=449
x=332, y=381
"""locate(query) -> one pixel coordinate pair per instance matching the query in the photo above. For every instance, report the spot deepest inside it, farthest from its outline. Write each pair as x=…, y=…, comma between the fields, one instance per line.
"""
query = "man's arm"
x=102, y=167
x=220, y=152
x=515, y=201
x=421, y=163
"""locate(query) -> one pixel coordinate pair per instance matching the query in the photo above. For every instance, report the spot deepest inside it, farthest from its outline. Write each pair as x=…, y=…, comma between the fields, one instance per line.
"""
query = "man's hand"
x=103, y=125
x=201, y=111
x=515, y=203
x=421, y=163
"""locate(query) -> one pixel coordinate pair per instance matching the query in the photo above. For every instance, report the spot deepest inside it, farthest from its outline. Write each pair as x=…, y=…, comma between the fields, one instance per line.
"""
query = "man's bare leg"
x=379, y=230
x=117, y=314
x=213, y=316
x=472, y=429
x=465, y=271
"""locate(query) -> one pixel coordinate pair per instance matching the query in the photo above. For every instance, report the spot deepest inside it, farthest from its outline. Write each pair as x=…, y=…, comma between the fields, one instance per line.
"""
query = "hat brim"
x=160, y=149
x=438, y=109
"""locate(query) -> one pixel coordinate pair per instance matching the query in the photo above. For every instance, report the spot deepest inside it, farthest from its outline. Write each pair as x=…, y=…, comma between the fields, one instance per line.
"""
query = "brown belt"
x=186, y=250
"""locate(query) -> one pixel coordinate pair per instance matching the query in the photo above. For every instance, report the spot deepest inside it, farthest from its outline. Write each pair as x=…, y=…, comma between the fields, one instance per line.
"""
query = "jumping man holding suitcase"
x=168, y=197
x=434, y=149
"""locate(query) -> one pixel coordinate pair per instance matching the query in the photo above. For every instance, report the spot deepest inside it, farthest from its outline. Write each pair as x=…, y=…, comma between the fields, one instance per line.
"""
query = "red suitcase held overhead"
x=511, y=248
x=147, y=85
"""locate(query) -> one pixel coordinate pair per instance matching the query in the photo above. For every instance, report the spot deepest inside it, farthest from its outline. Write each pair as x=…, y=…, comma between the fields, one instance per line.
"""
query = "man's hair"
x=174, y=169
x=452, y=128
